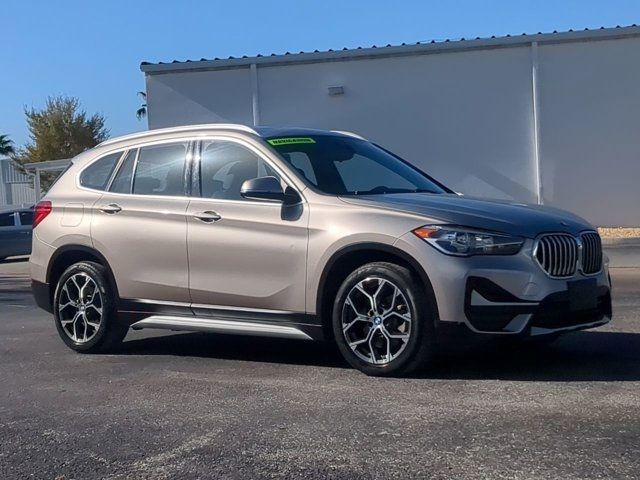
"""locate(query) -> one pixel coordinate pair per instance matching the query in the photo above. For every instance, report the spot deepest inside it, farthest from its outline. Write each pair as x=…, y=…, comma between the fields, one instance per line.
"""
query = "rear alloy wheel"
x=383, y=323
x=80, y=307
x=83, y=309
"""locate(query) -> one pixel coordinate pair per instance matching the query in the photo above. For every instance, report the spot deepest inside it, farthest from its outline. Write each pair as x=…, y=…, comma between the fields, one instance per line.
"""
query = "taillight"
x=40, y=212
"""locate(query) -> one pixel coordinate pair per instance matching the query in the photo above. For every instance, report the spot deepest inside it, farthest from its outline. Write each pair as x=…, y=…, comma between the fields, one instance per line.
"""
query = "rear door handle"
x=207, y=217
x=111, y=208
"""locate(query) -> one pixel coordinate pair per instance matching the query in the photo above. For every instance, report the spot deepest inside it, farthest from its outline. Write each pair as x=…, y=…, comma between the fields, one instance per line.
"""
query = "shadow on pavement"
x=576, y=357
x=590, y=356
x=13, y=285
x=232, y=347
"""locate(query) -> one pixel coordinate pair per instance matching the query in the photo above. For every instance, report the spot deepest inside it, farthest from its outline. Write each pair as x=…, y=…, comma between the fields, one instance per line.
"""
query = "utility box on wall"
x=549, y=118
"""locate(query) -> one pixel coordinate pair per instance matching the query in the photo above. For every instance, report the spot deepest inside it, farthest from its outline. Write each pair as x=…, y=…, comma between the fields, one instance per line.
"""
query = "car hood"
x=495, y=215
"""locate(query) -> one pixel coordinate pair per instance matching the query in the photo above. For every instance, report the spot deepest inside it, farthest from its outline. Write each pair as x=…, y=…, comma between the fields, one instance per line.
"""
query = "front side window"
x=160, y=170
x=225, y=166
x=350, y=166
x=97, y=175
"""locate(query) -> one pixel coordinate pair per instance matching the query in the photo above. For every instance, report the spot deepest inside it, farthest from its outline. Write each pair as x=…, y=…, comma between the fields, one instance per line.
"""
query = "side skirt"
x=238, y=327
x=205, y=318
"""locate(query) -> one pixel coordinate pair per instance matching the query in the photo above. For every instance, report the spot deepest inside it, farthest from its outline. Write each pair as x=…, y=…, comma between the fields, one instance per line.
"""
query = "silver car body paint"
x=256, y=258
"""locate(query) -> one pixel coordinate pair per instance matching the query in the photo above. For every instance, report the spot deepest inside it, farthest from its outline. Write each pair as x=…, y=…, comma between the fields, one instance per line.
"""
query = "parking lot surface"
x=186, y=405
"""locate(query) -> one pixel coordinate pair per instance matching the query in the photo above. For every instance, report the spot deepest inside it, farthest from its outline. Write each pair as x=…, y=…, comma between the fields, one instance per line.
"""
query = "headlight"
x=461, y=241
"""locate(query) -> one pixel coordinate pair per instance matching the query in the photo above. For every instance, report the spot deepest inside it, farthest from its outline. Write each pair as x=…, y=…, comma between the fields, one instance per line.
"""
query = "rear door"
x=140, y=226
x=244, y=255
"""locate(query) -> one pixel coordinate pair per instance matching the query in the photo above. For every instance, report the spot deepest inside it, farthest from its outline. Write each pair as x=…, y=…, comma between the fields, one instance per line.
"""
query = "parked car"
x=302, y=234
x=15, y=232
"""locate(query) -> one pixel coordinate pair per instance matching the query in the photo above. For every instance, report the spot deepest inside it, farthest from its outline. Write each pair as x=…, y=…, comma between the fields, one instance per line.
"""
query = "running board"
x=238, y=327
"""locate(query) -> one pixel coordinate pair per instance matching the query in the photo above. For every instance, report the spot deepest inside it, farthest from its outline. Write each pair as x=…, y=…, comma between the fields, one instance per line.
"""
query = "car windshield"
x=340, y=165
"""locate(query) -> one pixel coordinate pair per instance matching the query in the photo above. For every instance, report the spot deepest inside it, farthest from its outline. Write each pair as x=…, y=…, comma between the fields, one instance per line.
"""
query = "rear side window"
x=97, y=175
x=122, y=181
x=160, y=170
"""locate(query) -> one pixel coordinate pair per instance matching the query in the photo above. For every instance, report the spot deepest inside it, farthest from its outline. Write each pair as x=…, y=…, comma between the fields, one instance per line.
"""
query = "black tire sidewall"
x=422, y=335
x=108, y=321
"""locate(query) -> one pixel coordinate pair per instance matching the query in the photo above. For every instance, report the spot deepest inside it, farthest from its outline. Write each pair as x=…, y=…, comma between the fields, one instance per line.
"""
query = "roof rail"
x=184, y=128
x=350, y=134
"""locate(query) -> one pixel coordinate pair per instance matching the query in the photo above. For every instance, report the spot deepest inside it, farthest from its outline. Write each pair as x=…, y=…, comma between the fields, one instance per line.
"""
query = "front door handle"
x=111, y=208
x=207, y=217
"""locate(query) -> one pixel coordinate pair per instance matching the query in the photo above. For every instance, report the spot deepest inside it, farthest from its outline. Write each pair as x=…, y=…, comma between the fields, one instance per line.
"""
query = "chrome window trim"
x=194, y=140
x=138, y=146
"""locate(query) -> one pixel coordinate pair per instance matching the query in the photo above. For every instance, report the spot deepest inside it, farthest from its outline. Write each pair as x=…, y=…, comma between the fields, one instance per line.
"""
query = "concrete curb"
x=614, y=242
x=623, y=255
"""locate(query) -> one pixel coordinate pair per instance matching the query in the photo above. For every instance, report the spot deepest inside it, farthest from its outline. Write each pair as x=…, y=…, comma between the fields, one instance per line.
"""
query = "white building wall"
x=590, y=129
x=16, y=188
x=463, y=117
x=200, y=97
x=466, y=117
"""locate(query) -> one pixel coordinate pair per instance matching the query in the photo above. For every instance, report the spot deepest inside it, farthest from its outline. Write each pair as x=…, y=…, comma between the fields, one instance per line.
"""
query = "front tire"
x=84, y=309
x=384, y=320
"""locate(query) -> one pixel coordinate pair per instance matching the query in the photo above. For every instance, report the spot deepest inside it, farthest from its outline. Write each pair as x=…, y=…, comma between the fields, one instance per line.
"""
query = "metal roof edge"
x=411, y=49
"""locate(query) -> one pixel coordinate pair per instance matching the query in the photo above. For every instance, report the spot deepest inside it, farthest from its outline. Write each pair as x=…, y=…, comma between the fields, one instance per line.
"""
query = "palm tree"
x=142, y=111
x=6, y=146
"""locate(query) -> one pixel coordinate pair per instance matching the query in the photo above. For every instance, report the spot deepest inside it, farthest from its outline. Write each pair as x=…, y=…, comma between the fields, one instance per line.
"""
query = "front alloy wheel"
x=376, y=321
x=384, y=320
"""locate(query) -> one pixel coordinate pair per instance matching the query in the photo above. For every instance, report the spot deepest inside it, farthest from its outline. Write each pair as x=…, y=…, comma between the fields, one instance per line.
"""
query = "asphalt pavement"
x=186, y=405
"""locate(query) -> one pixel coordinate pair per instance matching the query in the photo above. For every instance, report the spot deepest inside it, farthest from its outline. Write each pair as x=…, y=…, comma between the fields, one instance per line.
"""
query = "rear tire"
x=84, y=309
x=384, y=320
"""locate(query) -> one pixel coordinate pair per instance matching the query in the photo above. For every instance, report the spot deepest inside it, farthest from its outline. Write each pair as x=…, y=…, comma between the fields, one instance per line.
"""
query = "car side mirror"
x=268, y=188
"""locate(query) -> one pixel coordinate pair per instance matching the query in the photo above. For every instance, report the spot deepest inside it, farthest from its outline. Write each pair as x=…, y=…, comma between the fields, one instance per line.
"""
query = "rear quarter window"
x=96, y=176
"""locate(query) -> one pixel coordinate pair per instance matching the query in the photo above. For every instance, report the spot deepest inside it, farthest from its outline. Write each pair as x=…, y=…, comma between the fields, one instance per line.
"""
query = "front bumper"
x=511, y=294
x=492, y=309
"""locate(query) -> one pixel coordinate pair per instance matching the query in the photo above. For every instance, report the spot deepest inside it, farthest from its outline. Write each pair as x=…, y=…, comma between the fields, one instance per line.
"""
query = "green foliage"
x=6, y=146
x=60, y=130
x=142, y=110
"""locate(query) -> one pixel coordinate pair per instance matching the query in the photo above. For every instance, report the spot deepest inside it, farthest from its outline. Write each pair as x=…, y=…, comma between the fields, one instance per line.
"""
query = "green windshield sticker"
x=290, y=141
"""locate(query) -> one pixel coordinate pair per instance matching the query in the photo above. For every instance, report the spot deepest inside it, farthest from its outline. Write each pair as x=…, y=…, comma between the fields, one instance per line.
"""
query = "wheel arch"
x=350, y=257
x=66, y=256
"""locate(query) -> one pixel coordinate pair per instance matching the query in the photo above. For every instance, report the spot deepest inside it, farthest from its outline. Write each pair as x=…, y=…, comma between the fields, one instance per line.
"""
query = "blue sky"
x=92, y=50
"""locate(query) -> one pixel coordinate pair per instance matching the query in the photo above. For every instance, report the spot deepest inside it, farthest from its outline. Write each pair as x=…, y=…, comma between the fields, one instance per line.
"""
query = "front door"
x=244, y=255
x=140, y=226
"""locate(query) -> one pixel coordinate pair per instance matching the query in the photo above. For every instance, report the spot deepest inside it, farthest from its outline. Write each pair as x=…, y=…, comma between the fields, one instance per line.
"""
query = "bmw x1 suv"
x=303, y=234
